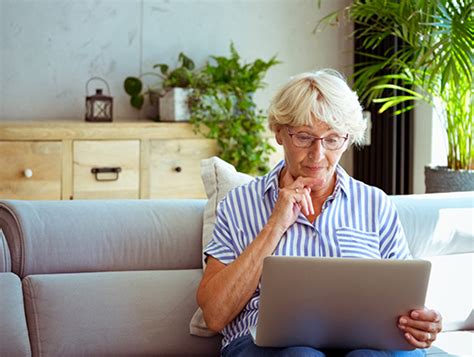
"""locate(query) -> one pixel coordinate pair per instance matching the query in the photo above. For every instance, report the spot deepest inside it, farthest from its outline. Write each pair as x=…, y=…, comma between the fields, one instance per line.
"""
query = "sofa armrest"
x=5, y=259
x=14, y=340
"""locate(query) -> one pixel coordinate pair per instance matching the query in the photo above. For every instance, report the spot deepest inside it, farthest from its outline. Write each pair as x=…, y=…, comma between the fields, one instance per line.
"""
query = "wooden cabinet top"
x=70, y=129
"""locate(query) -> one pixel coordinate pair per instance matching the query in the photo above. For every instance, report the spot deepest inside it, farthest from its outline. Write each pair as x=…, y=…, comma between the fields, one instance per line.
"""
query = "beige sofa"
x=118, y=278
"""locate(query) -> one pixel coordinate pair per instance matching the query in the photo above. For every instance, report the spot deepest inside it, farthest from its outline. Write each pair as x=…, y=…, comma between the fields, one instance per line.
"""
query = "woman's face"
x=315, y=160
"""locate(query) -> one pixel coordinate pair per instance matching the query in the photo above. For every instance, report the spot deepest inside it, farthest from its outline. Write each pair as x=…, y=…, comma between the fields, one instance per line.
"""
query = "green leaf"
x=186, y=61
x=163, y=68
x=137, y=101
x=133, y=86
x=393, y=101
x=396, y=87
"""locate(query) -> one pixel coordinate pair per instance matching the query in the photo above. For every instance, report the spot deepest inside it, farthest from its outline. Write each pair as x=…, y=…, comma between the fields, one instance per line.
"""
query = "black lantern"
x=99, y=105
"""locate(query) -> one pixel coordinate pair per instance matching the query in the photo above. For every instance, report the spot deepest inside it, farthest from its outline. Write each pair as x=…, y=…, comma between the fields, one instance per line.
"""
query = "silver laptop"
x=338, y=302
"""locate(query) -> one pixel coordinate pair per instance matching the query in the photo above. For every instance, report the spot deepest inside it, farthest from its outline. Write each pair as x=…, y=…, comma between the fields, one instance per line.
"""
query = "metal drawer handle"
x=178, y=169
x=106, y=170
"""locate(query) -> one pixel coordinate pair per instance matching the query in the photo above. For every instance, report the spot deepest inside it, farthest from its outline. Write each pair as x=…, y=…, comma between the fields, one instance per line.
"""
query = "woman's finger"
x=426, y=315
x=309, y=181
x=301, y=199
x=307, y=192
x=415, y=342
x=423, y=325
x=420, y=335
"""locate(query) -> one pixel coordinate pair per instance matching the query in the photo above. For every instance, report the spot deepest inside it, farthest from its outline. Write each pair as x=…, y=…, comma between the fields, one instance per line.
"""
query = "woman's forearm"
x=225, y=295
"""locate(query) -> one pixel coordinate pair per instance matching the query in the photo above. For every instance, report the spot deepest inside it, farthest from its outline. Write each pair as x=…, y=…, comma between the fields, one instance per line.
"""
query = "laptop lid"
x=338, y=302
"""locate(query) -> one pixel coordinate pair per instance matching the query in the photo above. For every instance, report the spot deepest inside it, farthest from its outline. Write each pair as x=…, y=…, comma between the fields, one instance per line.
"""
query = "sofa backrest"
x=437, y=223
x=102, y=235
x=112, y=235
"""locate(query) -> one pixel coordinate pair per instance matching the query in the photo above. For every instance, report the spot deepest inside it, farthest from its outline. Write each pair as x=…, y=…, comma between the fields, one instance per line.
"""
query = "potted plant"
x=219, y=100
x=222, y=108
x=434, y=64
x=170, y=96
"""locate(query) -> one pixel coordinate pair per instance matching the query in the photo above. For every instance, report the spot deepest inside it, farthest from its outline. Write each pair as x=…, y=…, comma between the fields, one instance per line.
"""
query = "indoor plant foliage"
x=183, y=76
x=434, y=62
x=221, y=104
x=222, y=108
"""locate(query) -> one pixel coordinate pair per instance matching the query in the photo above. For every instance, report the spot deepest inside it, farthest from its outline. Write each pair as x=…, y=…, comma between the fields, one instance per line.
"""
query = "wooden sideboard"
x=81, y=160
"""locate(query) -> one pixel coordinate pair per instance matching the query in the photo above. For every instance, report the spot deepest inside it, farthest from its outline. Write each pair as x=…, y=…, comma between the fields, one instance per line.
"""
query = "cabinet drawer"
x=122, y=156
x=175, y=167
x=30, y=170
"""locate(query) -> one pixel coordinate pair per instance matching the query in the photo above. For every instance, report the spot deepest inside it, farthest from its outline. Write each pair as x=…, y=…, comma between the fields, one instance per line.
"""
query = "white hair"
x=322, y=95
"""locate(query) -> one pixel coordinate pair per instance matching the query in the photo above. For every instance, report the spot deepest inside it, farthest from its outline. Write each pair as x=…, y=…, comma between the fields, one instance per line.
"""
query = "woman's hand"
x=421, y=327
x=293, y=198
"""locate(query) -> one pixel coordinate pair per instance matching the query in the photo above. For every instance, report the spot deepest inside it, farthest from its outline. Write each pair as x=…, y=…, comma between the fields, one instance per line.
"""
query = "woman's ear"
x=347, y=144
x=279, y=134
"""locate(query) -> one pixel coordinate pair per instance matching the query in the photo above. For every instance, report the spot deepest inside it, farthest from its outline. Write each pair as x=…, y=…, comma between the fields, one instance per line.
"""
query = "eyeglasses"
x=330, y=142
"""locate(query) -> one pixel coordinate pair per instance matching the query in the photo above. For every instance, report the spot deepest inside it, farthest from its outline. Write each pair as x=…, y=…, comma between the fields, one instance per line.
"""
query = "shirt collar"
x=273, y=176
x=342, y=181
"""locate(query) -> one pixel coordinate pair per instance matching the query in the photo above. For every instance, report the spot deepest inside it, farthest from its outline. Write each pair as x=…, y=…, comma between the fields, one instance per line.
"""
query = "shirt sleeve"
x=222, y=246
x=393, y=242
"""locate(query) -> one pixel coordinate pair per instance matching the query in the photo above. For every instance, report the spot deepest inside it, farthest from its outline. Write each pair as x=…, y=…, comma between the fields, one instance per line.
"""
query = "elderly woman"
x=306, y=206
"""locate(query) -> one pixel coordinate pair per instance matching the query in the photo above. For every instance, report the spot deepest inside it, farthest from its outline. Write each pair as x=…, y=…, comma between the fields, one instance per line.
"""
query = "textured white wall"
x=50, y=48
x=430, y=145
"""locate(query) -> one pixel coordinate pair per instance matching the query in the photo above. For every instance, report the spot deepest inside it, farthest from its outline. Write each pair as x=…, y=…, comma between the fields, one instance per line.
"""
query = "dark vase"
x=152, y=109
x=443, y=179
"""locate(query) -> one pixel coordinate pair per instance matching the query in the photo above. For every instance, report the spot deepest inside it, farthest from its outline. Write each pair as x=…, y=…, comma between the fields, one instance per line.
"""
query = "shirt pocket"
x=354, y=243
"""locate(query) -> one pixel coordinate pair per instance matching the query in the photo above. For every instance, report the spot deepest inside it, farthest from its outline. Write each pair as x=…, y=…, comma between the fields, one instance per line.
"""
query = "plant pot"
x=152, y=109
x=443, y=179
x=174, y=105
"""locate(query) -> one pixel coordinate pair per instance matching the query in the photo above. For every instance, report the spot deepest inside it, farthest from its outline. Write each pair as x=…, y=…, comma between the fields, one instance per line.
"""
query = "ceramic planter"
x=174, y=105
x=443, y=179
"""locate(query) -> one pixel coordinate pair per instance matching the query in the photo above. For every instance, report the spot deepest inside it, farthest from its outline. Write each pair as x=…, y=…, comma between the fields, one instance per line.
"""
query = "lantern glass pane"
x=100, y=109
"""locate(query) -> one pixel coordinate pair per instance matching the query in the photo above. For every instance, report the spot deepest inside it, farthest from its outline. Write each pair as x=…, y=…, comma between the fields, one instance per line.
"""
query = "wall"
x=50, y=48
x=430, y=143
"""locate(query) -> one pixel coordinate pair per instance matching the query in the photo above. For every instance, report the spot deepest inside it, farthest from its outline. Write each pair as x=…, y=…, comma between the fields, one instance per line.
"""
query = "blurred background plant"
x=433, y=64
x=222, y=107
x=221, y=104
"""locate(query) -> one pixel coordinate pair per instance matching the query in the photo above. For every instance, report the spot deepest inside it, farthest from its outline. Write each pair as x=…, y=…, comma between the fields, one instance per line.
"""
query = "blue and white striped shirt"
x=357, y=221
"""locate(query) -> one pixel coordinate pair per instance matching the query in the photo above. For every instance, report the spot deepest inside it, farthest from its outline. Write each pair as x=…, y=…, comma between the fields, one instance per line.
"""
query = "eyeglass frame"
x=315, y=138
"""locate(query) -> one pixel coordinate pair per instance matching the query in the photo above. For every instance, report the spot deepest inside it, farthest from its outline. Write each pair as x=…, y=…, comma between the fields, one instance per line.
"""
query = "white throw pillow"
x=219, y=177
x=451, y=290
x=437, y=223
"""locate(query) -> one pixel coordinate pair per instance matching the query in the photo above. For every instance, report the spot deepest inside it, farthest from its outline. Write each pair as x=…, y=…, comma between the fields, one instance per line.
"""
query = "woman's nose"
x=316, y=150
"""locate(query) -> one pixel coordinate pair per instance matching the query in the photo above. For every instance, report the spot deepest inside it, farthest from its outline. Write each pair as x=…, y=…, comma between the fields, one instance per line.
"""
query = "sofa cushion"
x=14, y=340
x=437, y=223
x=451, y=290
x=218, y=177
x=114, y=313
x=5, y=260
x=102, y=235
x=456, y=343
